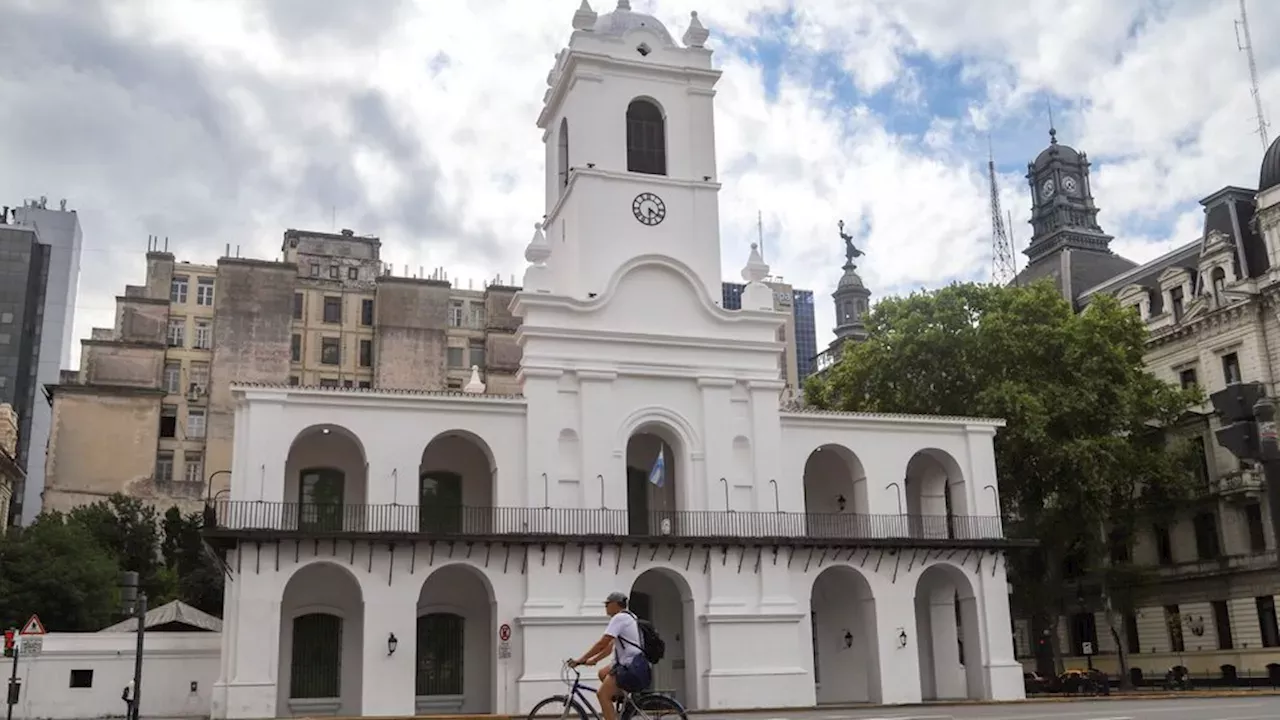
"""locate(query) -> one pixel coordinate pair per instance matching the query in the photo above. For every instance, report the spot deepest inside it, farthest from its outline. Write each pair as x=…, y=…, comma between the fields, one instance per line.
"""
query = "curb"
x=1186, y=694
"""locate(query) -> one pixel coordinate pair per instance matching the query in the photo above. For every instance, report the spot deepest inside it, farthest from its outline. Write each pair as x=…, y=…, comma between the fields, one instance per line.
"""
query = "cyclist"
x=630, y=670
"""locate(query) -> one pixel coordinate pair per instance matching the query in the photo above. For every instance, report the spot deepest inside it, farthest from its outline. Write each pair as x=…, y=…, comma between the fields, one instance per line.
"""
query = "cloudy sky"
x=216, y=122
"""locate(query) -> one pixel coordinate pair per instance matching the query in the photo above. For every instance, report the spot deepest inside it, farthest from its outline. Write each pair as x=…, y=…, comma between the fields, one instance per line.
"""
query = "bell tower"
x=627, y=121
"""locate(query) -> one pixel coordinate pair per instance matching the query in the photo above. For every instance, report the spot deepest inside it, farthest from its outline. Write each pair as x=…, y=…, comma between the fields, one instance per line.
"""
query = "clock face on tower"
x=1069, y=184
x=649, y=209
x=1046, y=190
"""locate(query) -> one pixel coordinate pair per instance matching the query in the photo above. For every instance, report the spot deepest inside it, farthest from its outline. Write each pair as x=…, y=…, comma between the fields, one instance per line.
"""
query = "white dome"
x=622, y=21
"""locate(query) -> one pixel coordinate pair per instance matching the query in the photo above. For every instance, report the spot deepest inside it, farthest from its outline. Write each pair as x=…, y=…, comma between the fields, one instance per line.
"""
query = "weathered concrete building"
x=328, y=314
x=11, y=474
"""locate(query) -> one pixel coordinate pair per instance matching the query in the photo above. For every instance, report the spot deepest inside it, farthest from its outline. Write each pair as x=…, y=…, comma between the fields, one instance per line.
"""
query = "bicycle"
x=643, y=705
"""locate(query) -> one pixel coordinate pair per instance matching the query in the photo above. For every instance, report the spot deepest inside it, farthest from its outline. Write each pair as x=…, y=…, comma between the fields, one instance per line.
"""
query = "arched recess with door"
x=937, y=496
x=949, y=635
x=321, y=643
x=454, y=662
x=326, y=475
x=846, y=641
x=657, y=446
x=456, y=478
x=835, y=493
x=663, y=597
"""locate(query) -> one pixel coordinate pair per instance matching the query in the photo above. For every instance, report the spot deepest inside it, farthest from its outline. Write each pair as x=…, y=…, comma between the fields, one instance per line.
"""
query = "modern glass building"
x=802, y=320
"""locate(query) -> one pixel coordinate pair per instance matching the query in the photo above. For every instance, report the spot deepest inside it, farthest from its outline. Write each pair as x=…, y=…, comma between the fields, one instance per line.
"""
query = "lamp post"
x=134, y=602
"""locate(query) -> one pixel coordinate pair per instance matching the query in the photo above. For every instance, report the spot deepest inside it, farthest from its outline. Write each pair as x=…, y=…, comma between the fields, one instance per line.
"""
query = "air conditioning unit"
x=195, y=392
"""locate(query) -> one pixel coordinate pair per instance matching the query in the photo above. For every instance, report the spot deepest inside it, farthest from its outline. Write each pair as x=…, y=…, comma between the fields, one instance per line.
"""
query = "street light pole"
x=135, y=602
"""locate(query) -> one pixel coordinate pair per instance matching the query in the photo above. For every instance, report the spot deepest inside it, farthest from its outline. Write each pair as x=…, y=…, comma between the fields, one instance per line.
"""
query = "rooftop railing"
x=465, y=521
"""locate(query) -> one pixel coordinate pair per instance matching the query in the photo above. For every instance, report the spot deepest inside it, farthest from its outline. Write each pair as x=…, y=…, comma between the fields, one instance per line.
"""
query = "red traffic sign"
x=504, y=632
x=33, y=626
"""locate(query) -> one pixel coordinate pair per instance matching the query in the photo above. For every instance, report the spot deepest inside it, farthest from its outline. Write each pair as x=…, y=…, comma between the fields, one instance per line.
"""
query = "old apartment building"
x=1210, y=594
x=11, y=473
x=328, y=314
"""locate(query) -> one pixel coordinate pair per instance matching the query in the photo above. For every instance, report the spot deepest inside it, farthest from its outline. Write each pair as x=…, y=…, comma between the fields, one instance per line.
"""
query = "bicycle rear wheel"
x=653, y=706
x=562, y=707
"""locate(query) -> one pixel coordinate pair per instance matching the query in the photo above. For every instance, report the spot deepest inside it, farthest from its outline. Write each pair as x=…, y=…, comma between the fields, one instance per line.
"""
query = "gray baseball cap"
x=617, y=597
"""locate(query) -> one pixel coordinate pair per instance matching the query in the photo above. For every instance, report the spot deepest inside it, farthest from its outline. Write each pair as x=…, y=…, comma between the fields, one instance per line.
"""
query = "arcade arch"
x=846, y=643
x=936, y=495
x=326, y=480
x=454, y=660
x=665, y=599
x=835, y=492
x=321, y=643
x=947, y=633
x=653, y=469
x=456, y=479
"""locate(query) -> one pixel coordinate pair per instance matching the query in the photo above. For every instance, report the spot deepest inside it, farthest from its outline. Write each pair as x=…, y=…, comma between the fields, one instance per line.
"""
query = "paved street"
x=1242, y=708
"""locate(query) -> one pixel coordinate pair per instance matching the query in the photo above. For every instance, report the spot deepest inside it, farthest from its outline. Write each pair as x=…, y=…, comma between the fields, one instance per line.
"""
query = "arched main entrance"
x=454, y=660
x=455, y=485
x=653, y=456
x=846, y=644
x=664, y=598
x=321, y=643
x=936, y=496
x=948, y=635
x=325, y=480
x=835, y=493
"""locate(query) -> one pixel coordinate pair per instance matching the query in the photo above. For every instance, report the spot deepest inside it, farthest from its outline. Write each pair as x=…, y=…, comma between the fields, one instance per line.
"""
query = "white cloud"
x=226, y=122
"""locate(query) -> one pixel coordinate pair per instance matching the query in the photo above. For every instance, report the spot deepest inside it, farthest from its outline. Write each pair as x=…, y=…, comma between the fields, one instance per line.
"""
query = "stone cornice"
x=1212, y=322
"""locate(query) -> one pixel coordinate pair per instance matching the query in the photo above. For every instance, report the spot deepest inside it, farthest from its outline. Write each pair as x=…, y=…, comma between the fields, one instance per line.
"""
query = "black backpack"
x=651, y=643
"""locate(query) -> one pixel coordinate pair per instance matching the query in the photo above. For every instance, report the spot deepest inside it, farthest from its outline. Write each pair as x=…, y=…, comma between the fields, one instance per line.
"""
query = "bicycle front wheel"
x=561, y=707
x=653, y=707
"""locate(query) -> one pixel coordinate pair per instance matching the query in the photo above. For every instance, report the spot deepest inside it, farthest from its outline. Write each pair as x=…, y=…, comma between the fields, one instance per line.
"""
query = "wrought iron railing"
x=1260, y=560
x=455, y=521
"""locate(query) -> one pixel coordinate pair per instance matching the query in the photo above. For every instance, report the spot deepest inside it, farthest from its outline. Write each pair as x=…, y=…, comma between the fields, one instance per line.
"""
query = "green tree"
x=58, y=570
x=199, y=576
x=129, y=530
x=1084, y=453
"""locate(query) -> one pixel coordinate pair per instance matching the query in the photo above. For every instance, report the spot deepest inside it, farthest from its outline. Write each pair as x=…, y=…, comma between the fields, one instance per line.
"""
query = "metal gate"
x=315, y=668
x=440, y=653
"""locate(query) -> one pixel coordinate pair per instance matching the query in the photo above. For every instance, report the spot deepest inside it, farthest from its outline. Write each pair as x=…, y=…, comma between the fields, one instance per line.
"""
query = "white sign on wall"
x=1086, y=648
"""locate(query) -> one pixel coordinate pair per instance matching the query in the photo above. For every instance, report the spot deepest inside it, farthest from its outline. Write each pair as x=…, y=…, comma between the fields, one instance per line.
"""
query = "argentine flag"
x=658, y=474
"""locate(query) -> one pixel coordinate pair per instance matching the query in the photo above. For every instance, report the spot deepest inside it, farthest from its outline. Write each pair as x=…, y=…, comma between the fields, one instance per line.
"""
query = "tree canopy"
x=1084, y=453
x=65, y=566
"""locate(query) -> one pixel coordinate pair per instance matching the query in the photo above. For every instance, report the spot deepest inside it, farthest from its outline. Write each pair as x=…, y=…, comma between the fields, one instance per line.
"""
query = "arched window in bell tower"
x=562, y=153
x=646, y=138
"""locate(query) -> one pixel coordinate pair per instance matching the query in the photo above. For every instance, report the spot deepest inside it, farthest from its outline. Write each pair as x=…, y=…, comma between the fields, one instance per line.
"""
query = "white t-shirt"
x=626, y=634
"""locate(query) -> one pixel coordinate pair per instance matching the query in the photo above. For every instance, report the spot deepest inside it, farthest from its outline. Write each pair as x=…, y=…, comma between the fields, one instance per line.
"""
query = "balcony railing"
x=1225, y=564
x=327, y=520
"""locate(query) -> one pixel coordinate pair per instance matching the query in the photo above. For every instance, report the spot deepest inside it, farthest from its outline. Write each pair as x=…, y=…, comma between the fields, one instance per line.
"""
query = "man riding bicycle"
x=630, y=670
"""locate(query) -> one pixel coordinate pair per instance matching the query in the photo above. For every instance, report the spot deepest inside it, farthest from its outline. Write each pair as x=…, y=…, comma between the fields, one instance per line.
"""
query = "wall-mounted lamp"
x=841, y=502
x=324, y=431
x=392, y=642
x=848, y=639
x=902, y=638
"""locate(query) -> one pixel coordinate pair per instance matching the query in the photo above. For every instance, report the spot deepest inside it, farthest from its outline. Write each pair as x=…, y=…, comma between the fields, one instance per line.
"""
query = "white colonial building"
x=394, y=552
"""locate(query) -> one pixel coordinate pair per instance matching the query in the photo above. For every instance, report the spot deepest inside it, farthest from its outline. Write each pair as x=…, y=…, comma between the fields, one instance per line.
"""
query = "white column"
x=252, y=692
x=387, y=688
x=226, y=664
x=1003, y=671
x=899, y=663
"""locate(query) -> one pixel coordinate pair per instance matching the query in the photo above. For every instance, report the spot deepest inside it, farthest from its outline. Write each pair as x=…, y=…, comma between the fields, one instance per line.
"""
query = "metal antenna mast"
x=760, y=231
x=1004, y=268
x=1247, y=46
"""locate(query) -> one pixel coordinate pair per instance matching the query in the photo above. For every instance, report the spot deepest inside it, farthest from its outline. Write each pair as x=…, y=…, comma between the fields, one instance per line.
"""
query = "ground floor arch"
x=846, y=644
x=948, y=635
x=665, y=599
x=321, y=643
x=454, y=646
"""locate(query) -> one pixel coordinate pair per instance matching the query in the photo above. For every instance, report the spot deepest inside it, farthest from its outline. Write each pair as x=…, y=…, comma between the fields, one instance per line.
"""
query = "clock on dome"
x=1069, y=184
x=1046, y=190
